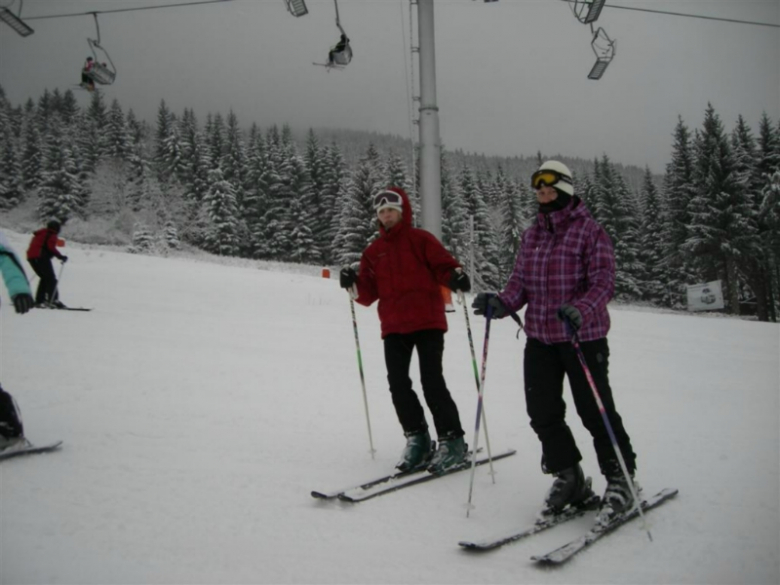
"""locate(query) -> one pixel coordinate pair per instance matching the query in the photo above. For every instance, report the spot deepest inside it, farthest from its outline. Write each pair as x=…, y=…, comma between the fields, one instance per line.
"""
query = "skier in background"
x=403, y=269
x=86, y=79
x=43, y=247
x=565, y=271
x=11, y=428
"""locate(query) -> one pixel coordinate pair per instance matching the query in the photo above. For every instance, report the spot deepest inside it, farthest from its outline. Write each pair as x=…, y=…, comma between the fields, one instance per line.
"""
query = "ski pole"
x=575, y=341
x=462, y=300
x=54, y=293
x=488, y=315
x=362, y=377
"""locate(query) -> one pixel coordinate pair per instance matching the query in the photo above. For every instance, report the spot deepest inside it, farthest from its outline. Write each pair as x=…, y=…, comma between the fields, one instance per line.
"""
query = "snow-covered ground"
x=201, y=402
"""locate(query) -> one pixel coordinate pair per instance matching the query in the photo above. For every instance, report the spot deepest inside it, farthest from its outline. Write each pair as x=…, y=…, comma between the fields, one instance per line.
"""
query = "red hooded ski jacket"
x=43, y=245
x=404, y=268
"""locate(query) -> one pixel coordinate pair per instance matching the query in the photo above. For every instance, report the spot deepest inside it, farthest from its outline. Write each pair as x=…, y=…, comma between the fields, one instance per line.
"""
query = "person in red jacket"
x=43, y=247
x=403, y=269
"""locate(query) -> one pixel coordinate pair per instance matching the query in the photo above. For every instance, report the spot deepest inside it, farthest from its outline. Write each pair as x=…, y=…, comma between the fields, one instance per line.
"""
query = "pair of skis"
x=567, y=551
x=393, y=482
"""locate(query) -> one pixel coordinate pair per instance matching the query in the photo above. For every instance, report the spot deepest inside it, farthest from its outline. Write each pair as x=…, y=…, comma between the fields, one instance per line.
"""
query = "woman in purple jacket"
x=565, y=269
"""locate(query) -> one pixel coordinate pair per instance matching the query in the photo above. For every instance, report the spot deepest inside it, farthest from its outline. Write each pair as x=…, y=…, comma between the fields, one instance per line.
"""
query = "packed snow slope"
x=201, y=401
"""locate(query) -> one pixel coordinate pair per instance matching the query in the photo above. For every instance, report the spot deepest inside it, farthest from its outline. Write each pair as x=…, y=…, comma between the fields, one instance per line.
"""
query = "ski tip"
x=319, y=495
x=346, y=498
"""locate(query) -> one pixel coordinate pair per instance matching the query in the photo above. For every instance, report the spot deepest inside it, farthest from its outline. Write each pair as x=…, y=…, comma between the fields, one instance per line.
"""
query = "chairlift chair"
x=604, y=48
x=100, y=72
x=339, y=56
x=296, y=7
x=16, y=22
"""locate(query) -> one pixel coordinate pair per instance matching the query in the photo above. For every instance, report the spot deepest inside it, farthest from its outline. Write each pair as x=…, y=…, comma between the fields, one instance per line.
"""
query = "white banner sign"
x=705, y=297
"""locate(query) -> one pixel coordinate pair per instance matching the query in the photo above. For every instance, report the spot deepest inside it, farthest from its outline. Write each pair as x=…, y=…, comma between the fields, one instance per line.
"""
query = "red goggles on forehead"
x=387, y=198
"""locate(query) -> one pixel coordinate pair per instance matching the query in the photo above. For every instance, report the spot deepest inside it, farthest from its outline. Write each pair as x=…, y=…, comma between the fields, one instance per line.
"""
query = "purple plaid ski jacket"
x=564, y=258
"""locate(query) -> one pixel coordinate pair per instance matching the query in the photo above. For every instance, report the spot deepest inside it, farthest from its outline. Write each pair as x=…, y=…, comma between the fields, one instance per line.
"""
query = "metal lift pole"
x=430, y=142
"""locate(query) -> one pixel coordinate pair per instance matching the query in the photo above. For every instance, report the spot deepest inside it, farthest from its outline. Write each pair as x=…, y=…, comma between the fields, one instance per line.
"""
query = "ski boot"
x=451, y=452
x=570, y=488
x=417, y=451
x=617, y=500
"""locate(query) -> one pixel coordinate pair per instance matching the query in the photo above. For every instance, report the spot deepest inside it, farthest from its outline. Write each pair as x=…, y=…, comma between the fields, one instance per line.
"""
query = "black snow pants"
x=430, y=351
x=47, y=286
x=544, y=368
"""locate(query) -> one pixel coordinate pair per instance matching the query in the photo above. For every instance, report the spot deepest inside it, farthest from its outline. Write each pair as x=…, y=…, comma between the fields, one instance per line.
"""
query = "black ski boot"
x=451, y=452
x=570, y=488
x=617, y=499
x=418, y=451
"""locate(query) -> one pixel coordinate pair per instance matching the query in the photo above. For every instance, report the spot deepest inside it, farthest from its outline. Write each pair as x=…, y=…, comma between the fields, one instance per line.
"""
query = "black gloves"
x=481, y=302
x=459, y=280
x=347, y=277
x=571, y=314
x=63, y=259
x=23, y=303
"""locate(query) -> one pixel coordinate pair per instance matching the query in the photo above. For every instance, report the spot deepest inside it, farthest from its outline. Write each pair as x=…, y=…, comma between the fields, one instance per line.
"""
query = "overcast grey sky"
x=511, y=75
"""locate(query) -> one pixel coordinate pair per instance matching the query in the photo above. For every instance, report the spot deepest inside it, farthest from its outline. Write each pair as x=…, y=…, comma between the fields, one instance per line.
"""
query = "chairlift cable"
x=701, y=16
x=194, y=3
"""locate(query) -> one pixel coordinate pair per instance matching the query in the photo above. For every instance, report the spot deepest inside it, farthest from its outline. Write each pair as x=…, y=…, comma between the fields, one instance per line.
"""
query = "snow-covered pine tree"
x=512, y=222
x=314, y=162
x=303, y=244
x=117, y=136
x=57, y=186
x=720, y=215
x=220, y=202
x=143, y=239
x=454, y=220
x=234, y=158
x=651, y=249
x=358, y=222
x=69, y=108
x=256, y=192
x=171, y=235
x=484, y=273
x=31, y=154
x=678, y=191
x=332, y=197
x=10, y=173
x=93, y=139
x=215, y=138
x=749, y=184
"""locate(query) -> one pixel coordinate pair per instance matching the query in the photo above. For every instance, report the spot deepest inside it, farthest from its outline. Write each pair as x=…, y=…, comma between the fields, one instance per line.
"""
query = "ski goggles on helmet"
x=547, y=178
x=387, y=198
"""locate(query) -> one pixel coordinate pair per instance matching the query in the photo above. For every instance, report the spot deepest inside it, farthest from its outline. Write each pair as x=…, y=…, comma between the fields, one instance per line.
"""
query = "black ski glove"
x=481, y=302
x=347, y=277
x=63, y=259
x=459, y=280
x=571, y=314
x=23, y=303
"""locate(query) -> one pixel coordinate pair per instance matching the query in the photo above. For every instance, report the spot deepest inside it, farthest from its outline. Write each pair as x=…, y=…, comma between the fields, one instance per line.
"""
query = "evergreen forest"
x=265, y=193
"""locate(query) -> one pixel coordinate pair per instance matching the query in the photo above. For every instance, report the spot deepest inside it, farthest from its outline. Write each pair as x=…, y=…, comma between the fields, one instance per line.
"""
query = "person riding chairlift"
x=86, y=79
x=337, y=55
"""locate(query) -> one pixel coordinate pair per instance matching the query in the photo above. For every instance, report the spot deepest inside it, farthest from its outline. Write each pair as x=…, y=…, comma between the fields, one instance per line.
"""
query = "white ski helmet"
x=564, y=181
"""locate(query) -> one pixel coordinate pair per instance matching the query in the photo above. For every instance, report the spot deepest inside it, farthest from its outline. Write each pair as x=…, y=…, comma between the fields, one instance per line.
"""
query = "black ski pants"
x=47, y=285
x=430, y=351
x=544, y=369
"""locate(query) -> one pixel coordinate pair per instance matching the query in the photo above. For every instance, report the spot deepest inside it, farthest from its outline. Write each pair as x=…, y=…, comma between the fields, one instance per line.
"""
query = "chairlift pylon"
x=103, y=70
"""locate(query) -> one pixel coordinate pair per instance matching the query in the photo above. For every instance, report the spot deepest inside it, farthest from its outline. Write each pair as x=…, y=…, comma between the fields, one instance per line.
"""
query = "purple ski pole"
x=575, y=341
x=488, y=316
